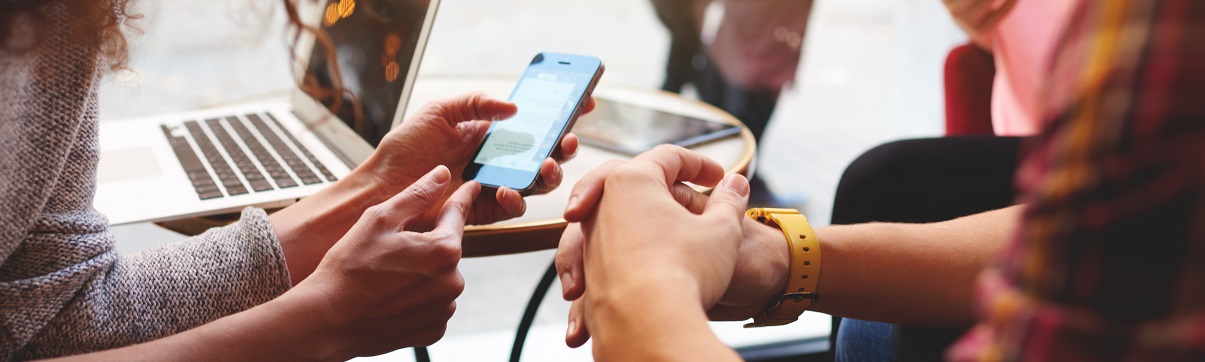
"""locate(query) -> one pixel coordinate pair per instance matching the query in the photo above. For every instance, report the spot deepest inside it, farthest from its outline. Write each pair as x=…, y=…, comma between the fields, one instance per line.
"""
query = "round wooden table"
x=540, y=228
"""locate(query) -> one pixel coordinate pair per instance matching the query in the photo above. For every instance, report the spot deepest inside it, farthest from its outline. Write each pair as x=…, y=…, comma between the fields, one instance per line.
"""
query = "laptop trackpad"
x=127, y=164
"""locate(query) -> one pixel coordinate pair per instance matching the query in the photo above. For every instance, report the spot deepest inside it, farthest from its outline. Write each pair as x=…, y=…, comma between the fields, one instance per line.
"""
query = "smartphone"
x=551, y=95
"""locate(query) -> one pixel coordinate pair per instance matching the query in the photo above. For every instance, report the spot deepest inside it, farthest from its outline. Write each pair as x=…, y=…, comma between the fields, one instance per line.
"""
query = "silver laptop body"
x=272, y=153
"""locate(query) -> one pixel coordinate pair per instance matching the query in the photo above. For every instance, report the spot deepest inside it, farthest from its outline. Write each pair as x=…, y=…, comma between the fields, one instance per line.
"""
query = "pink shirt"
x=1023, y=46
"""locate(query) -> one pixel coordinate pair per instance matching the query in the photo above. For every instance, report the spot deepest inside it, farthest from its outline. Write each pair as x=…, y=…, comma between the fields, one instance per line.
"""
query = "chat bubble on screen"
x=512, y=143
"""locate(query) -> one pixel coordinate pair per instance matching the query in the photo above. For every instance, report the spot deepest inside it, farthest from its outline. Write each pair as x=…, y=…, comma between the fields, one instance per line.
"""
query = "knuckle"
x=447, y=311
x=445, y=254
x=376, y=213
x=432, y=334
x=455, y=285
x=667, y=148
x=421, y=192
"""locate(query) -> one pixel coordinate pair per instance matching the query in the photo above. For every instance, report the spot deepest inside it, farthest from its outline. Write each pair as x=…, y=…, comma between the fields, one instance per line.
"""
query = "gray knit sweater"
x=63, y=288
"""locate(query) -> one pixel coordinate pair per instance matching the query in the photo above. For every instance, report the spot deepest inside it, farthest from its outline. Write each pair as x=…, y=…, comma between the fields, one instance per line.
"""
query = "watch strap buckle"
x=766, y=317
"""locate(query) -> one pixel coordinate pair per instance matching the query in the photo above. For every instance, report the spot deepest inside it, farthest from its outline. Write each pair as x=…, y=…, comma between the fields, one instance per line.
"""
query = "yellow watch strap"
x=804, y=276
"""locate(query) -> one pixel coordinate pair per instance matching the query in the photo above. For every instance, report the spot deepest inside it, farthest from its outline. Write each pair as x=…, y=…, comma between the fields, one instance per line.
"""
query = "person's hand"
x=978, y=18
x=447, y=133
x=759, y=276
x=747, y=271
x=380, y=287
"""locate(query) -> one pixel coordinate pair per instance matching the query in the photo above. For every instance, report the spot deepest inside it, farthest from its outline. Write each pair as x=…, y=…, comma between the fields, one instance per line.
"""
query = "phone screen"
x=549, y=97
x=544, y=104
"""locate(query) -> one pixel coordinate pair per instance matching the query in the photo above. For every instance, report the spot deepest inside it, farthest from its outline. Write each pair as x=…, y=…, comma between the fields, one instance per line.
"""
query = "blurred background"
x=862, y=72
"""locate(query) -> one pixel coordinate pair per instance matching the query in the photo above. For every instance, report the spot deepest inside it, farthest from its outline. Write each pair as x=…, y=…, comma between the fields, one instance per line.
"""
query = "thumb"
x=730, y=198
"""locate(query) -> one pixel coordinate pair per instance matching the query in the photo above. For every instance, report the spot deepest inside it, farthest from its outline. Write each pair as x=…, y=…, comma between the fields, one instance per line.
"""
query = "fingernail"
x=738, y=184
x=572, y=203
x=566, y=282
x=440, y=174
x=572, y=328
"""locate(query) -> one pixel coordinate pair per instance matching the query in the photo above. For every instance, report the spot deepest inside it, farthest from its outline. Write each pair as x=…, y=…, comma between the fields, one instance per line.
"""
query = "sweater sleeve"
x=169, y=289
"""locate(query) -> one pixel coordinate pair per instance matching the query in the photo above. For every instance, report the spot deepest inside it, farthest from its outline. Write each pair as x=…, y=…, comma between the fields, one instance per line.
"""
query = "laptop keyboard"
x=321, y=169
x=227, y=174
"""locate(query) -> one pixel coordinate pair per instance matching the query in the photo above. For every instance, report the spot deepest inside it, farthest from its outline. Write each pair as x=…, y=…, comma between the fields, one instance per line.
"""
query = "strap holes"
x=805, y=276
x=806, y=263
x=807, y=249
x=803, y=237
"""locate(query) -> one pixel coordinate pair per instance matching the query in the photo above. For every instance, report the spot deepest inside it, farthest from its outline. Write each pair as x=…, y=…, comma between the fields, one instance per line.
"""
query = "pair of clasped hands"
x=638, y=237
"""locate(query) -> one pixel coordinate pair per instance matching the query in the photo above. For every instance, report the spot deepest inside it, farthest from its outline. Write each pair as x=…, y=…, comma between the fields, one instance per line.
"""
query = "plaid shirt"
x=1109, y=261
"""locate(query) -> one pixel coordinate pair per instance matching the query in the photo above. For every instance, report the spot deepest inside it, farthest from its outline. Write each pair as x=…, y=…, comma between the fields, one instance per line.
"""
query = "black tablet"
x=633, y=129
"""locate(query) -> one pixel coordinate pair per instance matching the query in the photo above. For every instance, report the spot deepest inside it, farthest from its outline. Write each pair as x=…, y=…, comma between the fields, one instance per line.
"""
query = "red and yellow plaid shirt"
x=1109, y=261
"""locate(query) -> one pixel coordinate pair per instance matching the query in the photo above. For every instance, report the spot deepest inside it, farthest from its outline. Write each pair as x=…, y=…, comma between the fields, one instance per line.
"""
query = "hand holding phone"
x=550, y=96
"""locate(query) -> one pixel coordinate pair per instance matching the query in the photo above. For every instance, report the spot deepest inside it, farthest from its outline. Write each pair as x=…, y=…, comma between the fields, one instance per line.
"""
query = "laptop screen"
x=374, y=42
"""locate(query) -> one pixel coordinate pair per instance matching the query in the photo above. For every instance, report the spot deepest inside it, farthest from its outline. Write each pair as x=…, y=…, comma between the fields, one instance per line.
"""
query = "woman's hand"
x=447, y=133
x=978, y=18
x=442, y=133
x=381, y=287
x=642, y=249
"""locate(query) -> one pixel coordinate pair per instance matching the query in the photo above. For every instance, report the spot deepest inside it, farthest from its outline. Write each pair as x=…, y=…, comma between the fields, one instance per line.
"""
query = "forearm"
x=914, y=274
x=277, y=330
x=654, y=323
x=310, y=227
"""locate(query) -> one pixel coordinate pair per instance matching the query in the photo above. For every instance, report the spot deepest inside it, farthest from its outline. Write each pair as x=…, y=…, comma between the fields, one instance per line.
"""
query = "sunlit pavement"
x=871, y=73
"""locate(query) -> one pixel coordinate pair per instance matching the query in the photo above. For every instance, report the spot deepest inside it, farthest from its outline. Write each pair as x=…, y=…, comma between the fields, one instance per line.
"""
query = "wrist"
x=307, y=229
x=380, y=174
x=311, y=326
x=647, y=318
x=777, y=259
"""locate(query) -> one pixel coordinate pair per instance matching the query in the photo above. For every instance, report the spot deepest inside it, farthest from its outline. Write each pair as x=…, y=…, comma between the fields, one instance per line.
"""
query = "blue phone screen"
x=544, y=101
x=547, y=96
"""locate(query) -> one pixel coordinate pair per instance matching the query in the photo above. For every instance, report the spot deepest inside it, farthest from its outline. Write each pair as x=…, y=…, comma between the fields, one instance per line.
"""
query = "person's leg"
x=928, y=180
x=874, y=341
x=918, y=181
x=684, y=41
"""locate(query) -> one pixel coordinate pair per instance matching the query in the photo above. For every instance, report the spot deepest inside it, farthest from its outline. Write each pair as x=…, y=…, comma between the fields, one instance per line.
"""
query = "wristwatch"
x=804, y=277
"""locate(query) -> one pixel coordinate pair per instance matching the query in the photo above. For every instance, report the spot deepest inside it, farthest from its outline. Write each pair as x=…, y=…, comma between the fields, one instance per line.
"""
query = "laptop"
x=271, y=153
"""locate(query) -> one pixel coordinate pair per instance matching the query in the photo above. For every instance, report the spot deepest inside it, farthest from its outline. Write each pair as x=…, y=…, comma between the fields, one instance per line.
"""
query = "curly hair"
x=102, y=23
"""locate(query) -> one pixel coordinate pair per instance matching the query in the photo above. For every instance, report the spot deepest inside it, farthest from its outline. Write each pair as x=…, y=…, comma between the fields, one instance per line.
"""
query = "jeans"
x=859, y=340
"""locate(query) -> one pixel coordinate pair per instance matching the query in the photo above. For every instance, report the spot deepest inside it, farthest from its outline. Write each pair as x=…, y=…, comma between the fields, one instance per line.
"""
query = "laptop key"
x=286, y=183
x=236, y=190
x=311, y=180
x=260, y=185
x=210, y=195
